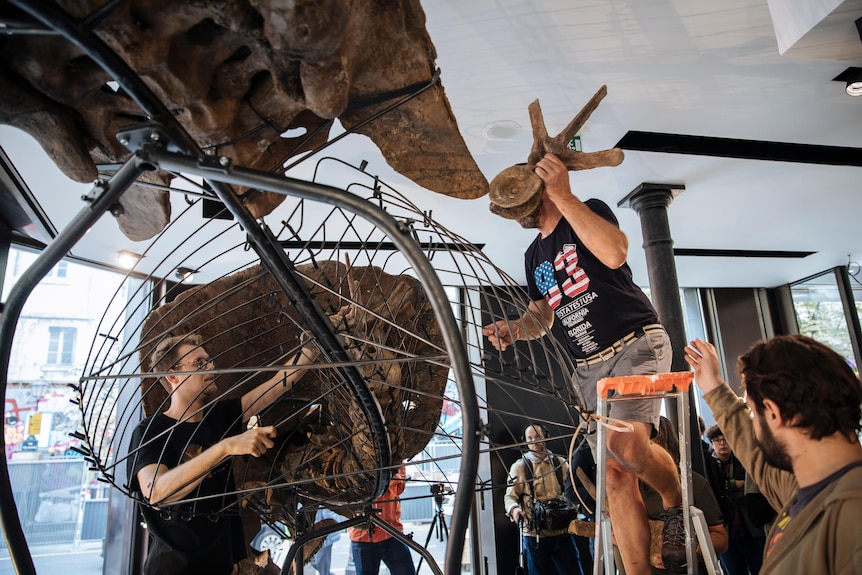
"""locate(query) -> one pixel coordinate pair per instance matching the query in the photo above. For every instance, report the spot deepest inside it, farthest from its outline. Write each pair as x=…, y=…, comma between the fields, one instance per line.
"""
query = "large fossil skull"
x=237, y=75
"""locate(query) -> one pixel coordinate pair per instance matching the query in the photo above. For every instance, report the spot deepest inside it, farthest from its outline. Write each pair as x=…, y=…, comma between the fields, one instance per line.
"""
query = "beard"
x=530, y=221
x=773, y=451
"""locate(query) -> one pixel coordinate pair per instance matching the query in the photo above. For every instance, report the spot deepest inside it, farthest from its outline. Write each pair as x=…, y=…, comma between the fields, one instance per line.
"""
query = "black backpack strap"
x=528, y=467
x=558, y=471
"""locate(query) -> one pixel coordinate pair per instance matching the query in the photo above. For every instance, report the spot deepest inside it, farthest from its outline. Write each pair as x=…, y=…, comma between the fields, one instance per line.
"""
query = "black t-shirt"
x=191, y=537
x=594, y=304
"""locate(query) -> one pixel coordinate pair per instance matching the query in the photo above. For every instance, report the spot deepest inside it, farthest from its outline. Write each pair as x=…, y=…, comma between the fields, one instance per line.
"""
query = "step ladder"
x=659, y=386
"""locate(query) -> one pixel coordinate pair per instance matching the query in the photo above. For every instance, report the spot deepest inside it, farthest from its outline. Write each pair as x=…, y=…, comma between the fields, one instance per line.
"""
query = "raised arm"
x=162, y=484
x=605, y=240
x=269, y=391
x=535, y=322
x=734, y=419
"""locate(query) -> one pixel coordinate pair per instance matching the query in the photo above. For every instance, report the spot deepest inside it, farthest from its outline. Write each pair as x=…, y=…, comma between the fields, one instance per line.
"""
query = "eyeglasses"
x=200, y=363
x=719, y=440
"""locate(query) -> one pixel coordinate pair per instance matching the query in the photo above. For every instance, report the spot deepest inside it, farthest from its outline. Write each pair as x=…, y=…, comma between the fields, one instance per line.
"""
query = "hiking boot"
x=673, y=541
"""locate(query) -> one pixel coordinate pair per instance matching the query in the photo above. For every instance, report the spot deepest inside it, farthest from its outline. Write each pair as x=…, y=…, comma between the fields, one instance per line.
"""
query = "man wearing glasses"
x=180, y=460
x=745, y=531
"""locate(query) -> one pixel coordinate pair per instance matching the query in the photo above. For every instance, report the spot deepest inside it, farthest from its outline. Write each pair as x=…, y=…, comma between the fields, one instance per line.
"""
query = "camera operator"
x=542, y=548
x=372, y=545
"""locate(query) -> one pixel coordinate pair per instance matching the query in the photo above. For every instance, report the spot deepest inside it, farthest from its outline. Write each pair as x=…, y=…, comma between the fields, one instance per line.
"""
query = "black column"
x=651, y=201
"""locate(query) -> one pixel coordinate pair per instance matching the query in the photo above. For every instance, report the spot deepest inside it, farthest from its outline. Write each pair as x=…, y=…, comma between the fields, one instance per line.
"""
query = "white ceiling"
x=691, y=67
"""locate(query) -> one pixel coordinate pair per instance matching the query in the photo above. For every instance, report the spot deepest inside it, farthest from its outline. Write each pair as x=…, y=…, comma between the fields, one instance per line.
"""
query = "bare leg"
x=635, y=457
x=628, y=517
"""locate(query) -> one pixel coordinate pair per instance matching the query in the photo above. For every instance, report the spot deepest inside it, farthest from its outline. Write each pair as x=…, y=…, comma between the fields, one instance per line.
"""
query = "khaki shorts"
x=649, y=354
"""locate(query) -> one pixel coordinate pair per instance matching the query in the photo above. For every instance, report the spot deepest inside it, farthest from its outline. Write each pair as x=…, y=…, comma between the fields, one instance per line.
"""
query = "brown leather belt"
x=618, y=346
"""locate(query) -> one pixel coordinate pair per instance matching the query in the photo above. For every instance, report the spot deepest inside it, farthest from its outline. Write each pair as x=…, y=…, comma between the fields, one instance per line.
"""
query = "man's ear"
x=772, y=414
x=173, y=381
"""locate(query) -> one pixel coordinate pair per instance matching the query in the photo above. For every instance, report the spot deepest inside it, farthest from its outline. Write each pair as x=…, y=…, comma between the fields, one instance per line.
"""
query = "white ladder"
x=663, y=385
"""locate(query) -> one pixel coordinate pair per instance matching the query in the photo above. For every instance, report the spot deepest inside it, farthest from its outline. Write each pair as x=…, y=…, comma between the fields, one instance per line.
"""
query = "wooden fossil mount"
x=516, y=191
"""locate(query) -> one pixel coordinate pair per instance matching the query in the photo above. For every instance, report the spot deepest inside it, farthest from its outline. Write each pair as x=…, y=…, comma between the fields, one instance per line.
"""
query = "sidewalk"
x=48, y=560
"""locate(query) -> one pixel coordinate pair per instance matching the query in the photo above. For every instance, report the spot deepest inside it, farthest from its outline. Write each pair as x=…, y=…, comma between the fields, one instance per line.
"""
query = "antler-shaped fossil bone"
x=516, y=191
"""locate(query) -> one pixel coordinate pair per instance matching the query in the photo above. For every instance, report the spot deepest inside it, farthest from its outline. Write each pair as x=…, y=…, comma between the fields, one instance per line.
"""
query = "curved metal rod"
x=411, y=250
x=81, y=34
x=372, y=518
x=313, y=534
x=100, y=199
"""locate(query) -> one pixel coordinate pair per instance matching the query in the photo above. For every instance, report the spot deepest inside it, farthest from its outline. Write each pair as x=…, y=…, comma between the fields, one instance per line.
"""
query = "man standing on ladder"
x=577, y=275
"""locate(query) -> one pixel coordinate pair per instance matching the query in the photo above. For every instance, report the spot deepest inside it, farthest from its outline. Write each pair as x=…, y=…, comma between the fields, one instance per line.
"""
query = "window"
x=61, y=346
x=856, y=288
x=61, y=504
x=59, y=271
x=821, y=315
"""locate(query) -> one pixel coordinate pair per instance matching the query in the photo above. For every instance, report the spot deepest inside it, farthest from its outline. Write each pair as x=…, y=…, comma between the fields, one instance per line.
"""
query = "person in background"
x=371, y=545
x=544, y=550
x=796, y=433
x=714, y=474
x=584, y=469
x=744, y=556
x=702, y=498
x=322, y=560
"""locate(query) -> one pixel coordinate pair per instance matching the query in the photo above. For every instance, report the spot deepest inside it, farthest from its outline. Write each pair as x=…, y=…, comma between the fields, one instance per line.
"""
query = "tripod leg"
x=427, y=540
x=442, y=529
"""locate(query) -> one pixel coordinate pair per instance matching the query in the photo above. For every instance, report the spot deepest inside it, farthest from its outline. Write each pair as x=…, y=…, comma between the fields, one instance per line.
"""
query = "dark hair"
x=810, y=383
x=713, y=432
x=538, y=426
x=668, y=437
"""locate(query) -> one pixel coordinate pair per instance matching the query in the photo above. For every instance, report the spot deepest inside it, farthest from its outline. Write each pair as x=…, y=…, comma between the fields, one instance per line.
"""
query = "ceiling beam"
x=743, y=149
x=710, y=253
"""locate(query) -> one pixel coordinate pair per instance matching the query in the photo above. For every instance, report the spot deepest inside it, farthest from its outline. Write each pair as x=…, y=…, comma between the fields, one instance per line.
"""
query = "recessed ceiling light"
x=852, y=77
x=502, y=130
x=186, y=274
x=127, y=259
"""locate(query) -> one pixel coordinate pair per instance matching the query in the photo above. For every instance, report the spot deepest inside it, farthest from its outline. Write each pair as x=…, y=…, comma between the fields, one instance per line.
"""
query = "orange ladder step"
x=645, y=384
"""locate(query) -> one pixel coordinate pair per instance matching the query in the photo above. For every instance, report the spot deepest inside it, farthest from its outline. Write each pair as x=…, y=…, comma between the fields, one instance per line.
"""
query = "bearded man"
x=796, y=433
